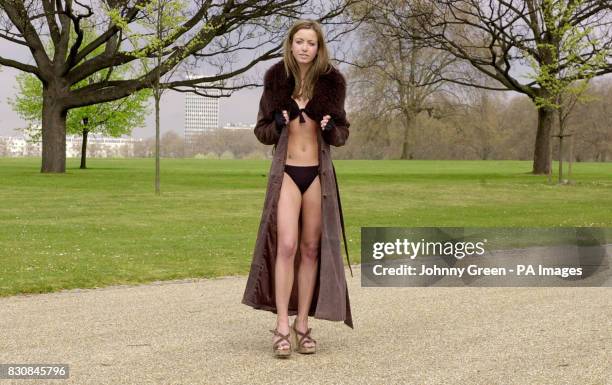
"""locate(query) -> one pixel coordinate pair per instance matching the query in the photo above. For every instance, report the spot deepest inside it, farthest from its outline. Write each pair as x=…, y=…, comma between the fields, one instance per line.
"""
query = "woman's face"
x=304, y=46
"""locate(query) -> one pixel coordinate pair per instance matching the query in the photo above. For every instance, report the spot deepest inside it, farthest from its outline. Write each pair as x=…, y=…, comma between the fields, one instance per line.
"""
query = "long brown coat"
x=330, y=298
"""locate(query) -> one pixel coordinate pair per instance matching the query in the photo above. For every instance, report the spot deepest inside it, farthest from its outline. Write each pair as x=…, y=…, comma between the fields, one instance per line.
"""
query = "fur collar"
x=327, y=99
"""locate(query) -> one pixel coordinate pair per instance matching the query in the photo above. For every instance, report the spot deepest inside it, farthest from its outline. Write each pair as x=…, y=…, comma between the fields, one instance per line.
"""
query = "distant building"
x=239, y=126
x=97, y=146
x=201, y=114
x=12, y=146
x=101, y=146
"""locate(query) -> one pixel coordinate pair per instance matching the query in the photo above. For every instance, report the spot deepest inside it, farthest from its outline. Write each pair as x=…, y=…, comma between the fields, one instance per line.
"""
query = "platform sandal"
x=303, y=337
x=278, y=350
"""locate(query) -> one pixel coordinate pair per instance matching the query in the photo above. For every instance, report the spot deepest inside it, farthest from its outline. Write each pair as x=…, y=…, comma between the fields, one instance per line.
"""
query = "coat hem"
x=292, y=312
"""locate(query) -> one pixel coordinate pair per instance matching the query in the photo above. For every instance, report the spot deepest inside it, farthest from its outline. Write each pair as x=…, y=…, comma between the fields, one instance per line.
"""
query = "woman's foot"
x=280, y=340
x=304, y=342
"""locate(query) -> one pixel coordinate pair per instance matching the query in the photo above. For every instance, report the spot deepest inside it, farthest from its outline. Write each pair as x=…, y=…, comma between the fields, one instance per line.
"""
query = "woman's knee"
x=309, y=251
x=287, y=249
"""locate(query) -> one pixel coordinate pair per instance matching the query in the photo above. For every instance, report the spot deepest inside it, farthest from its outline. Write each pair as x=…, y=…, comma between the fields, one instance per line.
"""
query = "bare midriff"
x=302, y=146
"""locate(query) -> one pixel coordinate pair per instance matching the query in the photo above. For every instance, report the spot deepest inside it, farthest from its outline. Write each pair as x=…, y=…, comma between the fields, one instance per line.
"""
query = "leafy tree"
x=163, y=19
x=114, y=118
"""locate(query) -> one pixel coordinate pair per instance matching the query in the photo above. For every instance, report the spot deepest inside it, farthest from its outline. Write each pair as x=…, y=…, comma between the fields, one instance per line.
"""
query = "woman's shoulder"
x=333, y=75
x=275, y=73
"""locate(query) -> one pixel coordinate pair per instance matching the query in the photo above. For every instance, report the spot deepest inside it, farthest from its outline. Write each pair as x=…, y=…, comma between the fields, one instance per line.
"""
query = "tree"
x=592, y=124
x=565, y=104
x=162, y=19
x=396, y=76
x=480, y=127
x=172, y=145
x=4, y=151
x=501, y=37
x=114, y=118
x=212, y=35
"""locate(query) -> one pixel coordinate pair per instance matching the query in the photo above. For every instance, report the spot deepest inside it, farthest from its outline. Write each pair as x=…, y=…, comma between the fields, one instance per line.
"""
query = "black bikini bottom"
x=302, y=175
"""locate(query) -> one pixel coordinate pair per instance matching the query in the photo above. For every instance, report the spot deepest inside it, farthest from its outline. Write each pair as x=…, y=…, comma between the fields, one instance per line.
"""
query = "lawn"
x=105, y=225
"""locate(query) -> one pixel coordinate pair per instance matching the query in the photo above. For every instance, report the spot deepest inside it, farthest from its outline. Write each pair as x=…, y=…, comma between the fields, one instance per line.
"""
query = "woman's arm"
x=267, y=130
x=336, y=131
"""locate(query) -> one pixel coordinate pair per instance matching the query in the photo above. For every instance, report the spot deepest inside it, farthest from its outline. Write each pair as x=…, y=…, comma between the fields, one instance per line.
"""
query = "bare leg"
x=288, y=213
x=309, y=250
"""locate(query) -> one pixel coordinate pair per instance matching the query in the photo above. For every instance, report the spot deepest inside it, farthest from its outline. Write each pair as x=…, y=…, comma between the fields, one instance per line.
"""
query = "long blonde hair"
x=319, y=65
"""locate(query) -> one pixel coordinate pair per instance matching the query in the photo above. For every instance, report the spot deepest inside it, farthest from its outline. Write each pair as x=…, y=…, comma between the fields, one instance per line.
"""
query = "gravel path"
x=198, y=332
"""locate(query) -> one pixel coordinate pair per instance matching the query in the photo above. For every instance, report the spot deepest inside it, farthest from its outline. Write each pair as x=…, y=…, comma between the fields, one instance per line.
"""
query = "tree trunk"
x=571, y=158
x=84, y=149
x=542, y=156
x=405, y=143
x=561, y=159
x=53, y=134
x=157, y=97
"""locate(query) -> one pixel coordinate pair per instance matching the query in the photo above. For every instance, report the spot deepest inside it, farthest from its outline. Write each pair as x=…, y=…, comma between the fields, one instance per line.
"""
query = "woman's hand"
x=324, y=122
x=281, y=120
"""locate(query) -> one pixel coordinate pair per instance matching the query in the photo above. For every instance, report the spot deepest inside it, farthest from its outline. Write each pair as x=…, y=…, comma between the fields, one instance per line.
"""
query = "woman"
x=302, y=113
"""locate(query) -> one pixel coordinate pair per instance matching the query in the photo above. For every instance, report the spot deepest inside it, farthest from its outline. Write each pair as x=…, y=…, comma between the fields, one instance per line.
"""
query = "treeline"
x=488, y=125
x=220, y=144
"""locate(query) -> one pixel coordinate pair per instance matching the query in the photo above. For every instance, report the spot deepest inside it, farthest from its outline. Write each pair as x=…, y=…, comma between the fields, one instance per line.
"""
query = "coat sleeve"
x=265, y=128
x=338, y=134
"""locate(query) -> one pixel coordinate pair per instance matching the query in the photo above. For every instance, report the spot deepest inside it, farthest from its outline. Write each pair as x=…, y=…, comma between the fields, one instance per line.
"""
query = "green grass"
x=104, y=225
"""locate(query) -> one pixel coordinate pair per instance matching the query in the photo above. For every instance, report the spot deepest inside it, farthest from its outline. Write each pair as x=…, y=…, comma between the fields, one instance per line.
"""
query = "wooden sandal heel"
x=279, y=351
x=304, y=337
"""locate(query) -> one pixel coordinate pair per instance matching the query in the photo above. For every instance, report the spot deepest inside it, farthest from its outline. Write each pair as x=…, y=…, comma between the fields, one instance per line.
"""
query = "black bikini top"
x=295, y=110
